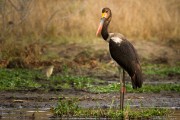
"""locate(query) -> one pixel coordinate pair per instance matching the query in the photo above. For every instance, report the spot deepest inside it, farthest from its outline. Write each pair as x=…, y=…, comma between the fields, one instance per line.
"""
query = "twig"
x=14, y=6
x=51, y=17
x=25, y=12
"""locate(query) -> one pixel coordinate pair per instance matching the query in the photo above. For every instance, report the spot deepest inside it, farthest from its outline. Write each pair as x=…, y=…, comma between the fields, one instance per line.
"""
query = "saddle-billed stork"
x=123, y=52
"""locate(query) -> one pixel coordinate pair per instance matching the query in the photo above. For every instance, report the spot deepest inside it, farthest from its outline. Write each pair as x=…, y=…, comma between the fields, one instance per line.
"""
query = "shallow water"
x=24, y=114
x=45, y=113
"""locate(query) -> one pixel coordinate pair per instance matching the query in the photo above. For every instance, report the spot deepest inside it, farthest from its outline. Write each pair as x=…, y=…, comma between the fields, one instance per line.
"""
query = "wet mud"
x=25, y=104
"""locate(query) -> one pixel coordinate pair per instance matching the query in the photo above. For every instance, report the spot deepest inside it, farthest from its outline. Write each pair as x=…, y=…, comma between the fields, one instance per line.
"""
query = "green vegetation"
x=28, y=79
x=16, y=79
x=115, y=87
x=68, y=82
x=69, y=108
x=160, y=69
x=65, y=107
x=24, y=79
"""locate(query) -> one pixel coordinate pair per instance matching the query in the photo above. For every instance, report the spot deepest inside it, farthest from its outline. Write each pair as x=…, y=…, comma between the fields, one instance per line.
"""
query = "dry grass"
x=150, y=19
x=25, y=22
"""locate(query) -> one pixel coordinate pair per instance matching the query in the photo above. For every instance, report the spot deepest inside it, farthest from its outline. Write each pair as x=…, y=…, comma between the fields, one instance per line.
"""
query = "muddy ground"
x=37, y=99
x=38, y=104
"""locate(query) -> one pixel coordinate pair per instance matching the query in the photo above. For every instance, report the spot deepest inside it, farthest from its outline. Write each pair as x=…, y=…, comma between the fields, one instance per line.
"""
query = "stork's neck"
x=104, y=31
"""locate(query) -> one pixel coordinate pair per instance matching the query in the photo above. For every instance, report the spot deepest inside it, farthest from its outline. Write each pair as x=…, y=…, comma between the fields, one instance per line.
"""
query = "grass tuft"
x=65, y=107
x=70, y=109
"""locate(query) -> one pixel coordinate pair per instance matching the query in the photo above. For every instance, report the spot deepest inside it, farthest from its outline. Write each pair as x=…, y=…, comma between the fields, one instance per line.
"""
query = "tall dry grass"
x=24, y=22
x=145, y=19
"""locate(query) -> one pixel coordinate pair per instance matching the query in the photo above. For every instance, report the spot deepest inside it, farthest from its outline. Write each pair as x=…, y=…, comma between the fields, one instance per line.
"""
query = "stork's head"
x=106, y=18
x=106, y=13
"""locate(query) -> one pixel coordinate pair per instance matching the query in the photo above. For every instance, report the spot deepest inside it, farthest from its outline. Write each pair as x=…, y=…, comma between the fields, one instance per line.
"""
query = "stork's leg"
x=122, y=89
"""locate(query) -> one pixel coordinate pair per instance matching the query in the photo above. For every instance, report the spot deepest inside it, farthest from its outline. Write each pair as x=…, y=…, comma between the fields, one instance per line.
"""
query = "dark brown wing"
x=125, y=55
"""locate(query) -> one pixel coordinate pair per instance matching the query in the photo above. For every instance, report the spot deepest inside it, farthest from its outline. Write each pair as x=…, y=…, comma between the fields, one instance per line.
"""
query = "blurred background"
x=42, y=30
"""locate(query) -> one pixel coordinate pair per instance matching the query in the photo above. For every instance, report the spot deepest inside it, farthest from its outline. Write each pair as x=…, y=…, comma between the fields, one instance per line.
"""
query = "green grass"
x=69, y=108
x=115, y=87
x=65, y=107
x=26, y=79
x=160, y=69
x=68, y=82
x=15, y=79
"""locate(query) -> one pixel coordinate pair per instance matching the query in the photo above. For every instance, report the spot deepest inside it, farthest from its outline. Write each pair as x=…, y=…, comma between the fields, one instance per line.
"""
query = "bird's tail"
x=137, y=79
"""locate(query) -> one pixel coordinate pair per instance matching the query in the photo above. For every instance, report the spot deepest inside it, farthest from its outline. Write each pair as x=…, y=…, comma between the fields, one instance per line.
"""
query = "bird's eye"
x=106, y=11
